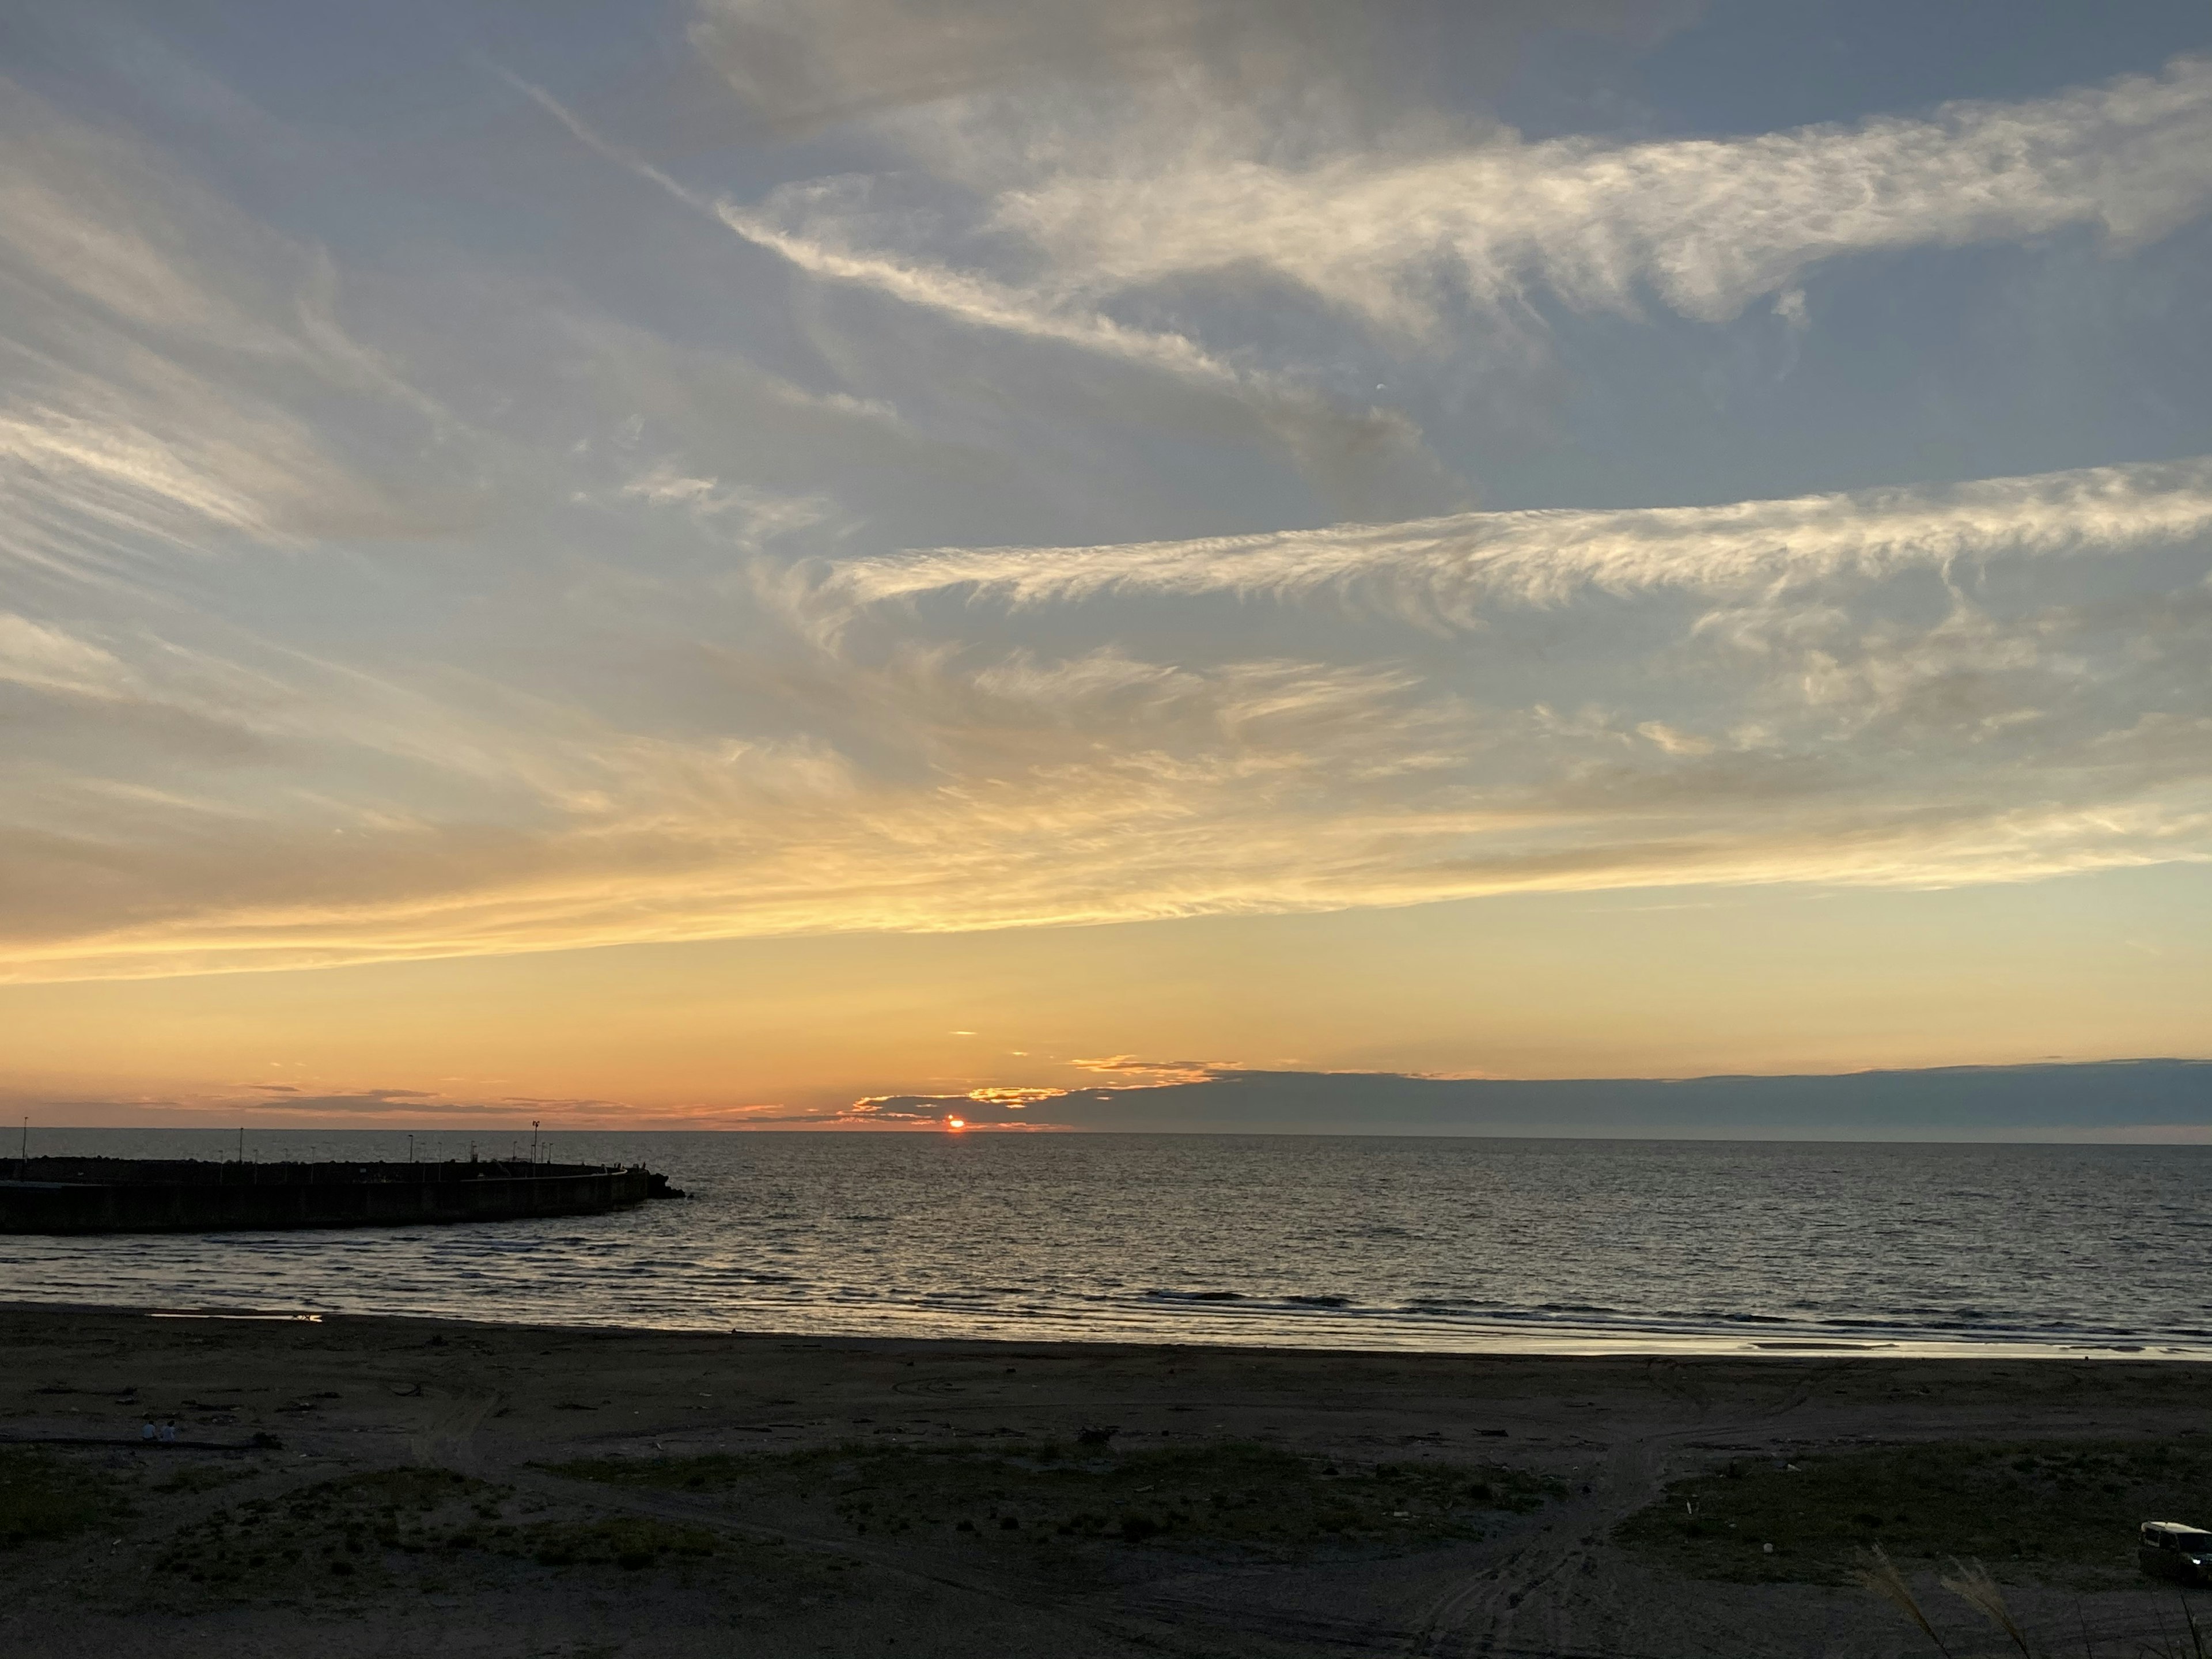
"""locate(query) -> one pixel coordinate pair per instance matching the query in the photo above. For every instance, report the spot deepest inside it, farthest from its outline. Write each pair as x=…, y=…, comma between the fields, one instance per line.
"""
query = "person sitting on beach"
x=146, y=1430
x=169, y=1432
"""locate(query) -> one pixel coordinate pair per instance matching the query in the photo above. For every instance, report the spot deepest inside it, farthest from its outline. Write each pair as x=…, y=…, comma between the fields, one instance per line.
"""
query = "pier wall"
x=215, y=1198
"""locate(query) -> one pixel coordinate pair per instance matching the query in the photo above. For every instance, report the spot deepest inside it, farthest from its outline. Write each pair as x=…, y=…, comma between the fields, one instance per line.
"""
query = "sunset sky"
x=691, y=563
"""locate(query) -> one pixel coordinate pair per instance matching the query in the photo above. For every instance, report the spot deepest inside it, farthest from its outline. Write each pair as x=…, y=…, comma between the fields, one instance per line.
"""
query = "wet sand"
x=341, y=1539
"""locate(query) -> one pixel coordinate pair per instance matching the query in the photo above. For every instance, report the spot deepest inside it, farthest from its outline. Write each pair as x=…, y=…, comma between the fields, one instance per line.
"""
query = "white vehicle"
x=2170, y=1550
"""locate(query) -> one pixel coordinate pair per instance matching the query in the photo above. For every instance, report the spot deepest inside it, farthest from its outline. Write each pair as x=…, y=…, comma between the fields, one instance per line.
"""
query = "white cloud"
x=803, y=225
x=1448, y=567
x=1907, y=688
x=176, y=370
x=48, y=659
x=1138, y=225
x=982, y=303
x=751, y=516
x=1706, y=224
x=511, y=610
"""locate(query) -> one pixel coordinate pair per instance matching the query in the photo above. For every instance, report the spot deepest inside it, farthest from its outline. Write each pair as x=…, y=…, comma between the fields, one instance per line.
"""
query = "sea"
x=1448, y=1245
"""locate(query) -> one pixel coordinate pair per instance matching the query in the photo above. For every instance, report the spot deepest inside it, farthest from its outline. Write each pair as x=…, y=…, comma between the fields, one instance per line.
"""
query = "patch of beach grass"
x=1246, y=1499
x=2062, y=1510
x=631, y=1542
x=44, y=1497
x=331, y=1536
x=202, y=1477
x=363, y=1533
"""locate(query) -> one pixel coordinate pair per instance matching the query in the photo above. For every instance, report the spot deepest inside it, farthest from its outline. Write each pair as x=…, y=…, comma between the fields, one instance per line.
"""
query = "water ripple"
x=1457, y=1245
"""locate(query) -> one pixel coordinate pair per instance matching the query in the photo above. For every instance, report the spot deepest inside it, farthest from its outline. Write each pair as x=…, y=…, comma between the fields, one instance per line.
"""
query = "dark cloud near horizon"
x=2101, y=1096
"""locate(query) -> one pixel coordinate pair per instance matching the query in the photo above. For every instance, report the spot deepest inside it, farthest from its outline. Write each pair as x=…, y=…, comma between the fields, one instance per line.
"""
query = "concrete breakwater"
x=151, y=1196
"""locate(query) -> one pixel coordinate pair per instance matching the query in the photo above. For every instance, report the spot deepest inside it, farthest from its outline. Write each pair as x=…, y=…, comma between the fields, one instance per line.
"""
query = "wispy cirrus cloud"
x=1706, y=226
x=1075, y=212
x=1450, y=564
x=1332, y=438
x=180, y=378
x=453, y=597
x=1904, y=689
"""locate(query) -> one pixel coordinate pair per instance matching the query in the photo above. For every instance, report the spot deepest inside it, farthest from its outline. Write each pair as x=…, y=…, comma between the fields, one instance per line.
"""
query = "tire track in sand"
x=1478, y=1614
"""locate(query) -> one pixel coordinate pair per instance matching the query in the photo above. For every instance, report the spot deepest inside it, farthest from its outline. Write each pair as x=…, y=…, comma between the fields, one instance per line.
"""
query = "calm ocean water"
x=1349, y=1242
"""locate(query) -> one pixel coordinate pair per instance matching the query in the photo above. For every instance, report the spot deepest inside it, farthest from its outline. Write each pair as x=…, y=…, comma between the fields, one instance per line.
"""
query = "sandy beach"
x=361, y=1486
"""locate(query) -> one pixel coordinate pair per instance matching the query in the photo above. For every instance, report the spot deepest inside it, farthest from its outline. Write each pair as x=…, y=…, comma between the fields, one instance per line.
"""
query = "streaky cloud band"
x=1541, y=556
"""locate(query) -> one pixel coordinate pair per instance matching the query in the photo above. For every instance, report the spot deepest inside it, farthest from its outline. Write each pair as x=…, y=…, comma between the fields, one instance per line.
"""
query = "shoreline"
x=1761, y=1340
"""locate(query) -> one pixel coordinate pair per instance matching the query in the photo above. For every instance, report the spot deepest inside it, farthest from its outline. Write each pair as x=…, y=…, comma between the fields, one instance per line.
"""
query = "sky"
x=811, y=561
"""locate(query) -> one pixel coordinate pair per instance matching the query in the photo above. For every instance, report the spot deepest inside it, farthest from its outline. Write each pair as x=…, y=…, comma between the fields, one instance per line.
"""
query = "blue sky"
x=490, y=482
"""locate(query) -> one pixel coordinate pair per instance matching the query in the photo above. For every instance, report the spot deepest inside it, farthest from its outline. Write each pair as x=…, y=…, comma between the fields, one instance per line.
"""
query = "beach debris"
x=1096, y=1435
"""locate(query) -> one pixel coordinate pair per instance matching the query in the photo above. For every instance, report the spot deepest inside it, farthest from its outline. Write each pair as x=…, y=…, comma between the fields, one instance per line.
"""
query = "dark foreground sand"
x=415, y=1505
